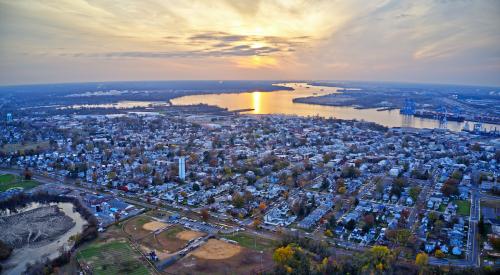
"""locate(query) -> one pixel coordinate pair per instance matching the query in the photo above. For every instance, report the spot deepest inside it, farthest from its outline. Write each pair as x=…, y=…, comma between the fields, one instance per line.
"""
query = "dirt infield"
x=189, y=235
x=165, y=242
x=134, y=227
x=154, y=225
x=246, y=262
x=217, y=250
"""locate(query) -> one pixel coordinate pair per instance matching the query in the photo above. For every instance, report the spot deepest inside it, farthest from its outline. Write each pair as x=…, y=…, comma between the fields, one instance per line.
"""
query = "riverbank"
x=357, y=99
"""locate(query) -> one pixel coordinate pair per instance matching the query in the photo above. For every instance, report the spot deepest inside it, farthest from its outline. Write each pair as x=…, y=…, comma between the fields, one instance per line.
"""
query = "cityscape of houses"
x=355, y=183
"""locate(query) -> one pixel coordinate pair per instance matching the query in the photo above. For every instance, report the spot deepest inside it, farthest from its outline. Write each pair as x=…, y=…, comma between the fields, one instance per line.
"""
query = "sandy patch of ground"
x=188, y=235
x=217, y=250
x=154, y=225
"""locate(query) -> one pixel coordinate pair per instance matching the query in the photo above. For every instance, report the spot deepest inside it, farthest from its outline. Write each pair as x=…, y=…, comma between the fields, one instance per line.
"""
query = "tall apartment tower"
x=182, y=168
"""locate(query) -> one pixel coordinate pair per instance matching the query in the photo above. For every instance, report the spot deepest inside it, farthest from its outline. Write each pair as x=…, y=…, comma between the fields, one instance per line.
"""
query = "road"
x=418, y=205
x=473, y=253
x=230, y=226
x=473, y=250
x=70, y=184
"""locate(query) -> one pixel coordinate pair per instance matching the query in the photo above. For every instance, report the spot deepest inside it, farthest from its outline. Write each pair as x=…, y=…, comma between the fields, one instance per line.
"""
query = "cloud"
x=218, y=36
x=379, y=39
x=245, y=8
x=224, y=39
x=211, y=44
x=241, y=50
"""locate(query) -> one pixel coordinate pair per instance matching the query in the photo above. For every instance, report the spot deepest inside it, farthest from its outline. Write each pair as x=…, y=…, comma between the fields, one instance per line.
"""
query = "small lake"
x=281, y=102
x=16, y=263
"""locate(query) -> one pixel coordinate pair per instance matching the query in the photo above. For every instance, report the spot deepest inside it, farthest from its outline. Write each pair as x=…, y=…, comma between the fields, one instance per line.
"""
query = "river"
x=281, y=102
x=16, y=263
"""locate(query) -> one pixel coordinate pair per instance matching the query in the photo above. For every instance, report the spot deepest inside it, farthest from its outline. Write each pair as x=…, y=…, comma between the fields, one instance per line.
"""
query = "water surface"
x=281, y=102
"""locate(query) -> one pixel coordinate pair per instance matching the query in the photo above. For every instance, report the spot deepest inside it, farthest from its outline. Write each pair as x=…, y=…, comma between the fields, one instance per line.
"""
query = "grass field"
x=251, y=241
x=8, y=181
x=463, y=207
x=11, y=148
x=134, y=227
x=166, y=241
x=173, y=231
x=116, y=257
x=142, y=220
x=6, y=178
x=170, y=240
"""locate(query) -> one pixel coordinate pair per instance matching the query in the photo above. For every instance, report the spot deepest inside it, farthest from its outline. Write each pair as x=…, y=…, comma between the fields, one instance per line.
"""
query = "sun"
x=257, y=61
x=258, y=31
x=257, y=44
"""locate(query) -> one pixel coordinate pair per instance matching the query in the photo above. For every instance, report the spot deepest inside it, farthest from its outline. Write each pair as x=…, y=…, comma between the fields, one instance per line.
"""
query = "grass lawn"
x=171, y=232
x=252, y=241
x=8, y=181
x=142, y=220
x=134, y=226
x=6, y=178
x=115, y=257
x=14, y=147
x=463, y=207
x=166, y=241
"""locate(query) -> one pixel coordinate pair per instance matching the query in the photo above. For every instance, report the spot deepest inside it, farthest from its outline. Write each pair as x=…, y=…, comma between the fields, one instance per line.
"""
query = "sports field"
x=8, y=181
x=252, y=241
x=115, y=257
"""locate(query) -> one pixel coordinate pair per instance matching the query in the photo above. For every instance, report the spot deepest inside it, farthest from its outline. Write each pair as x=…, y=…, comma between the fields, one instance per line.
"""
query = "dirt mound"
x=34, y=226
x=154, y=225
x=217, y=250
x=189, y=235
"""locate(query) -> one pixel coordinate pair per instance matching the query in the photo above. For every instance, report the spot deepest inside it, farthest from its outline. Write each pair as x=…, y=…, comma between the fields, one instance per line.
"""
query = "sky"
x=433, y=41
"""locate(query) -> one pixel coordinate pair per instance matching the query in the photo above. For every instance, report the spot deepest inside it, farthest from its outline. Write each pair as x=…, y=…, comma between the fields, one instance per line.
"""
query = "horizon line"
x=250, y=80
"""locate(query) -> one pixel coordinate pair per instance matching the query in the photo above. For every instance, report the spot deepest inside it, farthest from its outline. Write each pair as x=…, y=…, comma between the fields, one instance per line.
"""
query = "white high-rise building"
x=182, y=168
